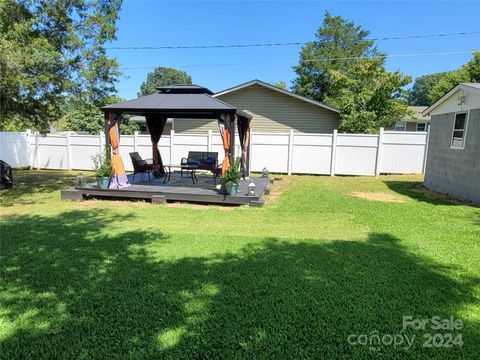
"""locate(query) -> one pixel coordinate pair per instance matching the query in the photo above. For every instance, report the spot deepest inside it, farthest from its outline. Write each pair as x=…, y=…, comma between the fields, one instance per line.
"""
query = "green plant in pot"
x=231, y=178
x=102, y=166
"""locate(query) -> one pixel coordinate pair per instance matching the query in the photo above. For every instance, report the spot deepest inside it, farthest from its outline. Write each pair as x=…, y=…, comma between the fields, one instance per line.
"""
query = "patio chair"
x=141, y=166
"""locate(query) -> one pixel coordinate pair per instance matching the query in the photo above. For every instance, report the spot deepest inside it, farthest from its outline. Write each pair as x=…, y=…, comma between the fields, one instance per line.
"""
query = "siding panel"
x=273, y=112
x=192, y=126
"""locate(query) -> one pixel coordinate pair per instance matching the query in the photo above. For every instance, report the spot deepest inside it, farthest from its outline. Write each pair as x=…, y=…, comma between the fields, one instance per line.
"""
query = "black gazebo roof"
x=184, y=89
x=191, y=101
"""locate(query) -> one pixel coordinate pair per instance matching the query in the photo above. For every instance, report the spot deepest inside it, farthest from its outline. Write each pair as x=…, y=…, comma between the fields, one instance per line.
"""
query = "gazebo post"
x=233, y=125
x=247, y=160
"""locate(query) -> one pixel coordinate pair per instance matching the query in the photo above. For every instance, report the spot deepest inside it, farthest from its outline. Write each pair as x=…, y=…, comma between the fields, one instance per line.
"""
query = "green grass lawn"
x=294, y=279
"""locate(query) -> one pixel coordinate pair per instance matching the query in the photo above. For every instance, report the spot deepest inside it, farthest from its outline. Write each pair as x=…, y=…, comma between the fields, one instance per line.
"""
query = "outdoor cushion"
x=193, y=162
x=209, y=161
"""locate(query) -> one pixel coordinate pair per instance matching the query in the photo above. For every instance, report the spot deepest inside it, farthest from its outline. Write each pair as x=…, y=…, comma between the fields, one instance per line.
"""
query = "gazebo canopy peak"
x=184, y=89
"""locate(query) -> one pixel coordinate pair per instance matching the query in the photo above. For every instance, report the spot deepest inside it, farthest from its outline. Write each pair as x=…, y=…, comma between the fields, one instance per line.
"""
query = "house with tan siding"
x=418, y=122
x=274, y=110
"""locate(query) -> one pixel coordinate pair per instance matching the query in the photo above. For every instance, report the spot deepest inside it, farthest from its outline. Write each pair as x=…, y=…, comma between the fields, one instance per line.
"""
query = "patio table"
x=187, y=167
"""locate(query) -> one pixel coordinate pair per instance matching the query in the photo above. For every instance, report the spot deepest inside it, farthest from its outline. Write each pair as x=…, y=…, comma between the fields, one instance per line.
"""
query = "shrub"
x=233, y=174
x=102, y=165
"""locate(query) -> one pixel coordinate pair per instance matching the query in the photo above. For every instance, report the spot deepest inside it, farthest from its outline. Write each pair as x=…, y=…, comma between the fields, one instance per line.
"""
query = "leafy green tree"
x=470, y=72
x=80, y=116
x=368, y=97
x=336, y=42
x=50, y=50
x=344, y=69
x=163, y=76
x=473, y=67
x=421, y=90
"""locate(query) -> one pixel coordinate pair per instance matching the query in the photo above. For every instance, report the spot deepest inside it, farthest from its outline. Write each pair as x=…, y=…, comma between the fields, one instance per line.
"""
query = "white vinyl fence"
x=328, y=154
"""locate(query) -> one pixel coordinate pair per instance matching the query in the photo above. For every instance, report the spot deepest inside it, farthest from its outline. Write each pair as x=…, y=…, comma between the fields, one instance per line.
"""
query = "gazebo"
x=177, y=101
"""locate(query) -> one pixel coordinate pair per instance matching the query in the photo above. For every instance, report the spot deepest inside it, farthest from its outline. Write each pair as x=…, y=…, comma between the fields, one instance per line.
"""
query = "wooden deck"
x=178, y=189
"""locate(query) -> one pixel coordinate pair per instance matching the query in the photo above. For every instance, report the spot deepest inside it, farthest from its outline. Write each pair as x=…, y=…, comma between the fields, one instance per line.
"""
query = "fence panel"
x=52, y=152
x=403, y=152
x=270, y=151
x=312, y=154
x=356, y=154
x=14, y=149
x=82, y=148
x=185, y=143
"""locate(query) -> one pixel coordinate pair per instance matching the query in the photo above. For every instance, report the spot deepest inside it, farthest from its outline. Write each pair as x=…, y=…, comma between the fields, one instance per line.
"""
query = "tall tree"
x=470, y=72
x=49, y=50
x=420, y=92
x=81, y=116
x=163, y=76
x=336, y=42
x=343, y=68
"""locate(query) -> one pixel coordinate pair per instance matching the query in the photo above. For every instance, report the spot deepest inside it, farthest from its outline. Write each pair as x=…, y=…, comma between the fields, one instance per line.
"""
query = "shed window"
x=459, y=129
x=400, y=126
x=421, y=126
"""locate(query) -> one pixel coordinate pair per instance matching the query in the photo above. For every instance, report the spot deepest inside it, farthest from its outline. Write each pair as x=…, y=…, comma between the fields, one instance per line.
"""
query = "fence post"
x=334, y=153
x=135, y=141
x=37, y=150
x=378, y=168
x=290, y=152
x=69, y=152
x=29, y=151
x=172, y=145
x=427, y=140
x=209, y=141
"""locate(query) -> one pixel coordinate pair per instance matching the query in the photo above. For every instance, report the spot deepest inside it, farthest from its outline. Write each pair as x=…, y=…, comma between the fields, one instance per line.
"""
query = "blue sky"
x=180, y=23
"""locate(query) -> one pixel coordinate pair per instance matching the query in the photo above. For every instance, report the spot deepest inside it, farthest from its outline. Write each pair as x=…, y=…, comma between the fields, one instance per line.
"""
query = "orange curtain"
x=119, y=178
x=224, y=128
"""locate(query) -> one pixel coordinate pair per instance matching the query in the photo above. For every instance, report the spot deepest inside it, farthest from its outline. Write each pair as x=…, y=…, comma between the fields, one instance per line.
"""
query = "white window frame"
x=424, y=123
x=404, y=125
x=467, y=116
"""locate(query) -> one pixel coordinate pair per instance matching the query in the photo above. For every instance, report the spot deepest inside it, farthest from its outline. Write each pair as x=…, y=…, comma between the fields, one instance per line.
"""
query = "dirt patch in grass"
x=226, y=208
x=277, y=188
x=130, y=203
x=200, y=207
x=378, y=196
x=87, y=203
x=176, y=205
x=92, y=202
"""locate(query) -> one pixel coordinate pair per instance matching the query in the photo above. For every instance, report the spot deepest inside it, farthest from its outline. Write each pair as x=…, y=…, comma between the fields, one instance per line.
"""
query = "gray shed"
x=453, y=158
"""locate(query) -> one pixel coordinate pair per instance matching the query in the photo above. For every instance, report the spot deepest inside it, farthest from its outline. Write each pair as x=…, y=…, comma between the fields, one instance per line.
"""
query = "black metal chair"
x=6, y=175
x=141, y=166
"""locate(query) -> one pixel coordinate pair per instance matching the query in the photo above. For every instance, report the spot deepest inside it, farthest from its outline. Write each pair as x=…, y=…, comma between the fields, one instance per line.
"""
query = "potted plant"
x=231, y=178
x=102, y=166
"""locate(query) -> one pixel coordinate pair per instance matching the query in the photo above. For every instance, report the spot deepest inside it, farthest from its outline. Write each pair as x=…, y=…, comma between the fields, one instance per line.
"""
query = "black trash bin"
x=6, y=176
